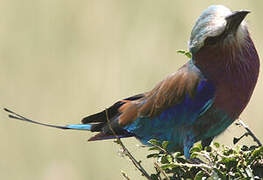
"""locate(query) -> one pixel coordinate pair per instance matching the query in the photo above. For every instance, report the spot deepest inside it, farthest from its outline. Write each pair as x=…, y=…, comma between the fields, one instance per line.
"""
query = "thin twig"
x=125, y=175
x=193, y=165
x=249, y=132
x=161, y=170
x=127, y=153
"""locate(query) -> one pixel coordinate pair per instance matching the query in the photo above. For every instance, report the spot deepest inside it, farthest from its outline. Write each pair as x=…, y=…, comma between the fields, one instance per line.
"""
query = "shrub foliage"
x=212, y=162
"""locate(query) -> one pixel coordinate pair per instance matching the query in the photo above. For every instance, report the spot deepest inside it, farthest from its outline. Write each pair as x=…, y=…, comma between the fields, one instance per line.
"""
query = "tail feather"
x=97, y=127
x=14, y=115
x=80, y=126
x=95, y=123
x=103, y=136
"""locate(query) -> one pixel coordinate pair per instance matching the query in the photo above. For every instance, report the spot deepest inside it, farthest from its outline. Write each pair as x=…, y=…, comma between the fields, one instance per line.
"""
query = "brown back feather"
x=167, y=93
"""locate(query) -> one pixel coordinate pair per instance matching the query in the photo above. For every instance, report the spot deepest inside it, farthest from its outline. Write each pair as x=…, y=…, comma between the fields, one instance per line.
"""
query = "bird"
x=196, y=103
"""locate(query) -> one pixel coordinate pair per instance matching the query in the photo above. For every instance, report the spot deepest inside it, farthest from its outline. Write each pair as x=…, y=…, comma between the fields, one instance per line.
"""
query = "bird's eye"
x=211, y=41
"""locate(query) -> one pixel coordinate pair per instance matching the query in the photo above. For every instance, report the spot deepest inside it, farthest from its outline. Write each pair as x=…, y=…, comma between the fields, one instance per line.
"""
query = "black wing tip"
x=85, y=120
x=98, y=117
x=88, y=119
x=112, y=111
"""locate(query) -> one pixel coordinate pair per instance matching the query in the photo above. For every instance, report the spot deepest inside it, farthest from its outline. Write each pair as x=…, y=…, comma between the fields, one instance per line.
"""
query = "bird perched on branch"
x=196, y=103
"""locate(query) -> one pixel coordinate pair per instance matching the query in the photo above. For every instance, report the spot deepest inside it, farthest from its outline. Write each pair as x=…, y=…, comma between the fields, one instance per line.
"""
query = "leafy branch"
x=214, y=162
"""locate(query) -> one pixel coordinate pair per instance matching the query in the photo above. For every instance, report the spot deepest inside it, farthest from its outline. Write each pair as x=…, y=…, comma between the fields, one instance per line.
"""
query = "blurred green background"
x=61, y=60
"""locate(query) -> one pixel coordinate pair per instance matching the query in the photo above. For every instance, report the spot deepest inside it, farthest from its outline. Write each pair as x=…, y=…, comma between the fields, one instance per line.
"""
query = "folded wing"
x=185, y=93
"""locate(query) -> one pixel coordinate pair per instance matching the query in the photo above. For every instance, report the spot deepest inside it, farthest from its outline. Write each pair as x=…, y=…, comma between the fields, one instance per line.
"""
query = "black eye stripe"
x=216, y=39
x=211, y=40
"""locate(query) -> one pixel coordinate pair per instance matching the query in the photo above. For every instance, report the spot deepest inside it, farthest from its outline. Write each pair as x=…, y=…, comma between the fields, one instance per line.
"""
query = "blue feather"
x=79, y=126
x=171, y=125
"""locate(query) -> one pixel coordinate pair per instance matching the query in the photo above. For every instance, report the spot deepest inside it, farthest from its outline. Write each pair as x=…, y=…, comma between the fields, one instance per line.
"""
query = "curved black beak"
x=235, y=19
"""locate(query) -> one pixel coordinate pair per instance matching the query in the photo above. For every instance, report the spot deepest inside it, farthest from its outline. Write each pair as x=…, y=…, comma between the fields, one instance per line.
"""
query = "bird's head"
x=218, y=26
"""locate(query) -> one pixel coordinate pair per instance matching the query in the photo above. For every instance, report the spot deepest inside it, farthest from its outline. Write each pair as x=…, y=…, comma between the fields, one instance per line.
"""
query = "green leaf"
x=244, y=148
x=177, y=154
x=167, y=166
x=195, y=149
x=170, y=158
x=193, y=155
x=252, y=148
x=164, y=160
x=154, y=155
x=229, y=162
x=208, y=149
x=216, y=144
x=256, y=153
x=199, y=145
x=154, y=148
x=199, y=175
x=165, y=144
x=180, y=51
x=186, y=53
x=154, y=142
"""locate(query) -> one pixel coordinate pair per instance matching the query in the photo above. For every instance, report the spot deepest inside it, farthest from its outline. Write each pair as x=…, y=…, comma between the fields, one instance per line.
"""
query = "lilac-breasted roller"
x=200, y=100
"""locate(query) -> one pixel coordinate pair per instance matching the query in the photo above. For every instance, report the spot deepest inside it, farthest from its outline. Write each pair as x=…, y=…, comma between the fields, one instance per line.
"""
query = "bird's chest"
x=234, y=73
x=232, y=95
